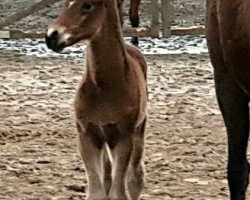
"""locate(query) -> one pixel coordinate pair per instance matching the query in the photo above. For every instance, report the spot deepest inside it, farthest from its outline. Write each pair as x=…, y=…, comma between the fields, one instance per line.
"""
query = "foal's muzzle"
x=53, y=41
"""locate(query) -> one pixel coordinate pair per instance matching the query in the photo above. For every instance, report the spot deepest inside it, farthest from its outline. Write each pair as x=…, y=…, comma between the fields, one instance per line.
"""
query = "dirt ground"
x=185, y=153
x=185, y=13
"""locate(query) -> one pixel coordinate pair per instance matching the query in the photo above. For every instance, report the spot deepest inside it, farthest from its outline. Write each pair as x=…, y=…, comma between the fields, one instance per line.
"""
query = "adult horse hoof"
x=135, y=41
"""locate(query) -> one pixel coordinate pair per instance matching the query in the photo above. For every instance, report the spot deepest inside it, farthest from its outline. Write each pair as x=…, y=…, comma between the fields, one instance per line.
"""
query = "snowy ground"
x=149, y=46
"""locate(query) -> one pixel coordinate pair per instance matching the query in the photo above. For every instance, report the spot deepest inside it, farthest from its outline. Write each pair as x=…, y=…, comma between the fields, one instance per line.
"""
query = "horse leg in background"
x=234, y=106
x=134, y=18
x=233, y=102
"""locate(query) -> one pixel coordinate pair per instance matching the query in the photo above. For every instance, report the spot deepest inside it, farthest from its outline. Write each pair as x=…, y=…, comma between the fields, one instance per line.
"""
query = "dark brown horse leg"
x=233, y=103
x=234, y=106
x=134, y=18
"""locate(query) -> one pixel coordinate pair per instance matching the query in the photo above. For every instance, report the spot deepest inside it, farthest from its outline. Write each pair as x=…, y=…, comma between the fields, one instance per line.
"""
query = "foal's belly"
x=100, y=116
x=103, y=111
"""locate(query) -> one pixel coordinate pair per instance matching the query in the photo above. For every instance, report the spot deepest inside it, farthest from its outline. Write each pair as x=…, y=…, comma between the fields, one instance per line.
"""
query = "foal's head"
x=79, y=20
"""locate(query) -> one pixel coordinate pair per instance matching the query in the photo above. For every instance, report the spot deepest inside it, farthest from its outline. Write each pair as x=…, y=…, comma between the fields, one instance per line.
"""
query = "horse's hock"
x=26, y=19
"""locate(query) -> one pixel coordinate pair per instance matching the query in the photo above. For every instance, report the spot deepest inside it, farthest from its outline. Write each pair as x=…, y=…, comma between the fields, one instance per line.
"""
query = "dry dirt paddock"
x=185, y=153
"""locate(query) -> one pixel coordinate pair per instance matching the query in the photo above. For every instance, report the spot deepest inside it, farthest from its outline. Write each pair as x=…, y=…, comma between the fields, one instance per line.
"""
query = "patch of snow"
x=149, y=46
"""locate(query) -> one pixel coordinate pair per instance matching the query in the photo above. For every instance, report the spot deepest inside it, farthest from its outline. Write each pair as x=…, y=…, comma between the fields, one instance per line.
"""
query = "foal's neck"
x=106, y=53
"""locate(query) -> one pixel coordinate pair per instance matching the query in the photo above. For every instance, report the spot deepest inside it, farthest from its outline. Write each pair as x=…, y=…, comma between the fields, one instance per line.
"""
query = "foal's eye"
x=86, y=7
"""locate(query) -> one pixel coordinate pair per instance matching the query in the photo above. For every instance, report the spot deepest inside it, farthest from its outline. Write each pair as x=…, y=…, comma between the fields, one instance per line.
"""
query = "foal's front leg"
x=135, y=176
x=91, y=148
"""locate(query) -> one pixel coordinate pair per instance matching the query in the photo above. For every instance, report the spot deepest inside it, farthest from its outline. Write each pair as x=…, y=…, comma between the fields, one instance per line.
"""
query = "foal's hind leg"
x=120, y=143
x=234, y=106
x=107, y=179
x=135, y=176
x=134, y=17
x=91, y=149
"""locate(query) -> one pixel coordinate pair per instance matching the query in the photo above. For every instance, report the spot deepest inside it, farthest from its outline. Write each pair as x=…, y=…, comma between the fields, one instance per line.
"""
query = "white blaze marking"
x=50, y=31
x=60, y=30
x=71, y=4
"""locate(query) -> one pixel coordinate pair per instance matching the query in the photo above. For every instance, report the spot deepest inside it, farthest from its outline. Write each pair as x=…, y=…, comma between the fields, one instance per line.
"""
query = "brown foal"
x=111, y=102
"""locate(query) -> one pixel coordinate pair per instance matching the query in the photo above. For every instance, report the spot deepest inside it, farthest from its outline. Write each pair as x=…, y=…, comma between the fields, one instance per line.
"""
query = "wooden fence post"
x=26, y=12
x=155, y=18
x=166, y=17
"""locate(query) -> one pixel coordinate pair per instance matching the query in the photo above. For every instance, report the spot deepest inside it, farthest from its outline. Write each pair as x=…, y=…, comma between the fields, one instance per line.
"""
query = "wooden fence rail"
x=141, y=32
x=158, y=8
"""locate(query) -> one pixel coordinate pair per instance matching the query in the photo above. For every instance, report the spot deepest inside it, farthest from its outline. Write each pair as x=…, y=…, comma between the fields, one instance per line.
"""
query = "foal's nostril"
x=52, y=38
x=54, y=35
